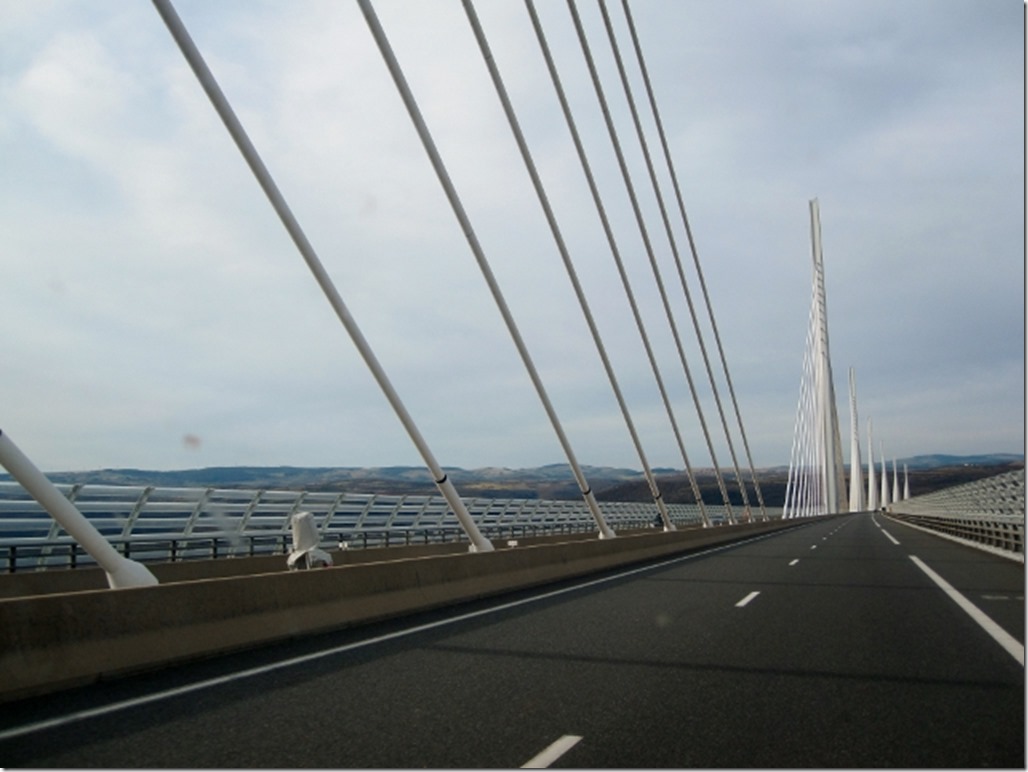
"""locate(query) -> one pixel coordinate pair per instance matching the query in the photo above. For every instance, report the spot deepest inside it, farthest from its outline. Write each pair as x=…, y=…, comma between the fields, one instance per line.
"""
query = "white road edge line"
x=552, y=753
x=890, y=537
x=1014, y=648
x=747, y=599
x=101, y=710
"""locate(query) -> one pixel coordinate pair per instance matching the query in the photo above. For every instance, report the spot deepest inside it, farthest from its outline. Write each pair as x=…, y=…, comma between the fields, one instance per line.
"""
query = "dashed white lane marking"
x=794, y=561
x=890, y=537
x=747, y=599
x=813, y=546
x=552, y=752
x=102, y=710
x=1014, y=647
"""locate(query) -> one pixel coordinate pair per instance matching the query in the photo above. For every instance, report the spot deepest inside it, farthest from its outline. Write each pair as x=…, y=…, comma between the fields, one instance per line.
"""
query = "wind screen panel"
x=222, y=511
x=487, y=512
x=110, y=509
x=433, y=514
x=269, y=512
x=21, y=516
x=166, y=511
x=379, y=512
x=409, y=511
x=348, y=512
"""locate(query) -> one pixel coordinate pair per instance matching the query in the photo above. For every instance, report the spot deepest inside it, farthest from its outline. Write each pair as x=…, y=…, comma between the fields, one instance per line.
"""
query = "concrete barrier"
x=53, y=581
x=53, y=641
x=60, y=580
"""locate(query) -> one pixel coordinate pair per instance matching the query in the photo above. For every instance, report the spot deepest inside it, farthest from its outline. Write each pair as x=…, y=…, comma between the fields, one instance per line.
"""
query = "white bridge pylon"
x=817, y=478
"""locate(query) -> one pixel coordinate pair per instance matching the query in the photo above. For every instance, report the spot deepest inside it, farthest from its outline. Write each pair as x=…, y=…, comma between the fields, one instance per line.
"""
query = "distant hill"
x=926, y=473
x=937, y=460
x=552, y=481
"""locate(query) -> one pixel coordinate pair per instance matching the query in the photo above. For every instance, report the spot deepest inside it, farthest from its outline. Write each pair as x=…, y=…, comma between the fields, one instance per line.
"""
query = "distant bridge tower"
x=883, y=501
x=906, y=483
x=872, y=490
x=856, y=478
x=817, y=478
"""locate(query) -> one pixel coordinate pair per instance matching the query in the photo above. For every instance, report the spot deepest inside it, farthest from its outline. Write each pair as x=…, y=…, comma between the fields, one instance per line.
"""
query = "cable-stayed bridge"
x=587, y=634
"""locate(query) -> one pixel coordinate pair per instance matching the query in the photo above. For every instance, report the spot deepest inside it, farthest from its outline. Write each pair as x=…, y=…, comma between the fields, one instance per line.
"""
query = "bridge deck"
x=848, y=655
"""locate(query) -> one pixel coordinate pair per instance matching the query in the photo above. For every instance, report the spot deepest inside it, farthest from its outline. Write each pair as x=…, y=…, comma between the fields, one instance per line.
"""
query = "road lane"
x=849, y=657
x=996, y=586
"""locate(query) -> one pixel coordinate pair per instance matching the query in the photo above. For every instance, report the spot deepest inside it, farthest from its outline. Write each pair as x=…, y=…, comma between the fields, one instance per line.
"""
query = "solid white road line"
x=101, y=710
x=1014, y=647
x=552, y=753
x=747, y=599
x=890, y=537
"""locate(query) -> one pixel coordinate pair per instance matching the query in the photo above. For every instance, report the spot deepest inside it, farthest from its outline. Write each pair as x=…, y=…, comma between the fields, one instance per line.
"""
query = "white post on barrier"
x=121, y=572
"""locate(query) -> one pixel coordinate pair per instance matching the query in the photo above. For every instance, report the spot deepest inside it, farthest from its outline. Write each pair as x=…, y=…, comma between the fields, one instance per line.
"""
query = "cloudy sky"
x=156, y=315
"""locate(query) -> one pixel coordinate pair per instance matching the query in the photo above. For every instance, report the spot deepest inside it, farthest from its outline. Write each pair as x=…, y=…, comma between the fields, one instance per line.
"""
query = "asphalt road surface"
x=828, y=645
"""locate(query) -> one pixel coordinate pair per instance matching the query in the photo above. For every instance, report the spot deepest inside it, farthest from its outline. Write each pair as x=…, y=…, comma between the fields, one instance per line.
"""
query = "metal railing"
x=150, y=523
x=989, y=513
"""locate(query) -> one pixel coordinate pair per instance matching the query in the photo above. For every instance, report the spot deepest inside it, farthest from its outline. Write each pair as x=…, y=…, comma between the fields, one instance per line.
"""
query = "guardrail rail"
x=151, y=523
x=987, y=513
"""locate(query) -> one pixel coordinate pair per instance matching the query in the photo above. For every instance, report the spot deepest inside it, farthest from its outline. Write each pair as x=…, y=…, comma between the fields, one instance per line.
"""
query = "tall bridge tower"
x=817, y=478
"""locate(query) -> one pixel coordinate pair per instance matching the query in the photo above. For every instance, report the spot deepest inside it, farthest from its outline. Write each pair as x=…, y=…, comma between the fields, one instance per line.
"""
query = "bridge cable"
x=569, y=266
x=465, y=224
x=692, y=246
x=801, y=460
x=649, y=249
x=658, y=195
x=235, y=128
x=615, y=252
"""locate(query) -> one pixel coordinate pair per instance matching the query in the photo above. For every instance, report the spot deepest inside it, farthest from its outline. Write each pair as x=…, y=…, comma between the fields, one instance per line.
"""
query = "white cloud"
x=154, y=295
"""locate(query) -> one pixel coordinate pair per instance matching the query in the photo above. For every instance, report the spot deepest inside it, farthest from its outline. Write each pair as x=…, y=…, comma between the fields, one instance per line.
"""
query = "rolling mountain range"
x=553, y=481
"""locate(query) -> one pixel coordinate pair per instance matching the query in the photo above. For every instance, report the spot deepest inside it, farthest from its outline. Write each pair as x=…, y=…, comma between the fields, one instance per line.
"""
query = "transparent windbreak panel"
x=206, y=522
x=492, y=512
x=21, y=519
x=346, y=515
x=379, y=511
x=422, y=512
x=434, y=514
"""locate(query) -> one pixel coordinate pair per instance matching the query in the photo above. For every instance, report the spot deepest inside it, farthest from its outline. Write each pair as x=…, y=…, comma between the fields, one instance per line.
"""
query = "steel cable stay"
x=615, y=252
x=239, y=136
x=458, y=208
x=830, y=460
x=794, y=485
x=692, y=246
x=659, y=196
x=791, y=484
x=276, y=199
x=872, y=488
x=569, y=266
x=799, y=488
x=630, y=188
